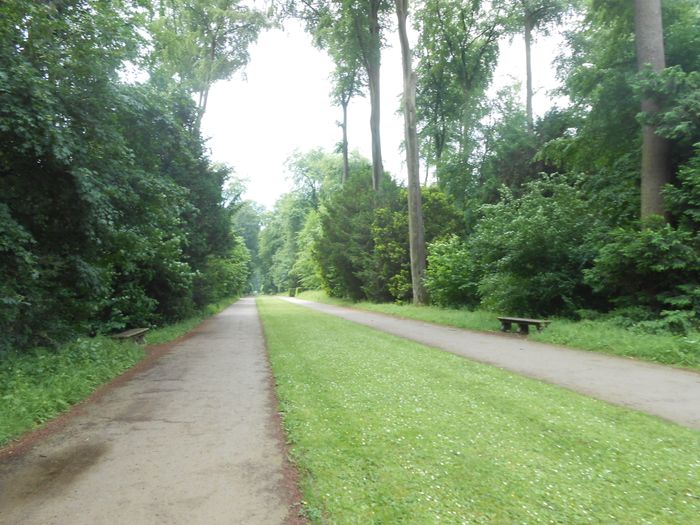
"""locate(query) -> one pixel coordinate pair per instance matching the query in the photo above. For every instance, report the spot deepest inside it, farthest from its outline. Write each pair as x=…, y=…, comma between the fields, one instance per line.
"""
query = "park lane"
x=191, y=440
x=663, y=391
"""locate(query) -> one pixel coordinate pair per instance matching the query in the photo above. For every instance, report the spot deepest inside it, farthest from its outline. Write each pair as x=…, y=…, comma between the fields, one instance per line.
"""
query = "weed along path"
x=193, y=439
x=666, y=392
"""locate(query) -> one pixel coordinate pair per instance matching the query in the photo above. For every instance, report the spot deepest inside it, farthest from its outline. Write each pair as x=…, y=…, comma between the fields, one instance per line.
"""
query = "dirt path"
x=194, y=439
x=663, y=391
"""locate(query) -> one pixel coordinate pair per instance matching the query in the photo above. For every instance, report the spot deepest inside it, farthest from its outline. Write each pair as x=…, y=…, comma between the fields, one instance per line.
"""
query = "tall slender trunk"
x=416, y=230
x=373, y=67
x=204, y=94
x=528, y=72
x=346, y=162
x=374, y=100
x=656, y=170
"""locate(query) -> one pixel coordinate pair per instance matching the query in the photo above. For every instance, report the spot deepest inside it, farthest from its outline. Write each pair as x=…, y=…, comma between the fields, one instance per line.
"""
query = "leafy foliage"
x=530, y=252
x=451, y=276
x=37, y=385
x=109, y=207
x=655, y=267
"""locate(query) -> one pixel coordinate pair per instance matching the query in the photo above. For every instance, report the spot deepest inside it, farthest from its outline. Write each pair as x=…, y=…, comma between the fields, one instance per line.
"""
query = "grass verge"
x=597, y=336
x=39, y=384
x=388, y=431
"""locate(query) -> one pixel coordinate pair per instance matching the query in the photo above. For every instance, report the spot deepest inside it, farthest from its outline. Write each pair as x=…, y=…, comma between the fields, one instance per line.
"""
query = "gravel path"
x=194, y=439
x=663, y=391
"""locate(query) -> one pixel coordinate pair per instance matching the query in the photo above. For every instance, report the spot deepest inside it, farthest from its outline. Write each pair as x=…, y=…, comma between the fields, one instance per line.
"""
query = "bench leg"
x=523, y=329
x=505, y=327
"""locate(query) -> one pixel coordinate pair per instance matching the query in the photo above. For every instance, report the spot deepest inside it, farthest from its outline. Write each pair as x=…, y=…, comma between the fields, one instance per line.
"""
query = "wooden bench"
x=136, y=334
x=523, y=324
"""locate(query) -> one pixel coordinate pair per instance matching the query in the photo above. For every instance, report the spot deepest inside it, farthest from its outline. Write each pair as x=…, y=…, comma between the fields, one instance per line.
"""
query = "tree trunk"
x=346, y=162
x=373, y=66
x=377, y=165
x=656, y=170
x=415, y=213
x=528, y=72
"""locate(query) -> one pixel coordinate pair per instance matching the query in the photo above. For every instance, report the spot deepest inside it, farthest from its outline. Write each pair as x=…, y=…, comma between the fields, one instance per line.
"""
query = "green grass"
x=388, y=431
x=38, y=385
x=597, y=336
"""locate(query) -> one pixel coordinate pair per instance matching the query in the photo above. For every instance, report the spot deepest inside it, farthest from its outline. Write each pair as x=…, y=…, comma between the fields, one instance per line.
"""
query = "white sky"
x=255, y=123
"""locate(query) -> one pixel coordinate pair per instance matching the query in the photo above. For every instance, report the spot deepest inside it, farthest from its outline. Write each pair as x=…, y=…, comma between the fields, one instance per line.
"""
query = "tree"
x=656, y=170
x=348, y=83
x=197, y=42
x=336, y=34
x=352, y=31
x=533, y=15
x=415, y=211
x=110, y=211
x=457, y=50
x=369, y=38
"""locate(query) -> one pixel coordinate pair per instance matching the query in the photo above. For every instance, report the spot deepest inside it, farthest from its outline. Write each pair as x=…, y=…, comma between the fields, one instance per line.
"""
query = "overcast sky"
x=255, y=122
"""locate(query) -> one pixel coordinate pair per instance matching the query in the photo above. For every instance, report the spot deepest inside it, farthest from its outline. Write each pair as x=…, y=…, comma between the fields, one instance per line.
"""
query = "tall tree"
x=535, y=15
x=656, y=169
x=370, y=39
x=197, y=42
x=335, y=32
x=415, y=212
x=457, y=50
x=347, y=84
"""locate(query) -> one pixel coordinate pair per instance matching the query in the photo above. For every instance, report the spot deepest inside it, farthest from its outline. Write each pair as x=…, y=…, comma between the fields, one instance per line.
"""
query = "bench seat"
x=137, y=334
x=523, y=324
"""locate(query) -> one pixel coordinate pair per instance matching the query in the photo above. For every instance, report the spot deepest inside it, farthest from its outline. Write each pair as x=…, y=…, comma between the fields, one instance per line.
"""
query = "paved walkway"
x=663, y=391
x=191, y=440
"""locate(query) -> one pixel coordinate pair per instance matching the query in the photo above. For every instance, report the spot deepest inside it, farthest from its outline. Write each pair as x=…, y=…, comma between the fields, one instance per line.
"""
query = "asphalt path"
x=663, y=391
x=193, y=439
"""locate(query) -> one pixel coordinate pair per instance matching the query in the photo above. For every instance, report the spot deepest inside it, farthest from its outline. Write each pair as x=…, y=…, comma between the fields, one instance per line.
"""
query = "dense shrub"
x=362, y=251
x=450, y=278
x=306, y=268
x=223, y=277
x=530, y=252
x=109, y=206
x=391, y=258
x=346, y=246
x=654, y=266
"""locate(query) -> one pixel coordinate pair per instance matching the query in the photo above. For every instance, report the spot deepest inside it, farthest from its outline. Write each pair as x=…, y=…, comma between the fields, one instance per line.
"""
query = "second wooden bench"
x=523, y=324
x=136, y=334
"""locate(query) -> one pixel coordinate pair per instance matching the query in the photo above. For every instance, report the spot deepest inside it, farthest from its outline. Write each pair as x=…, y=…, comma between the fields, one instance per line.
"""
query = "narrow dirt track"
x=194, y=439
x=663, y=391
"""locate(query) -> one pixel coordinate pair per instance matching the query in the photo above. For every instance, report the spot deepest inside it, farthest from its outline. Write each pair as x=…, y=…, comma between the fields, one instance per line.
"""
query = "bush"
x=345, y=250
x=530, y=252
x=653, y=266
x=224, y=277
x=450, y=277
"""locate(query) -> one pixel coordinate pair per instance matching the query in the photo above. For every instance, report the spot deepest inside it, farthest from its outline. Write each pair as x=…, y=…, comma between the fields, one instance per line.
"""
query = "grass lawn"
x=385, y=430
x=598, y=336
